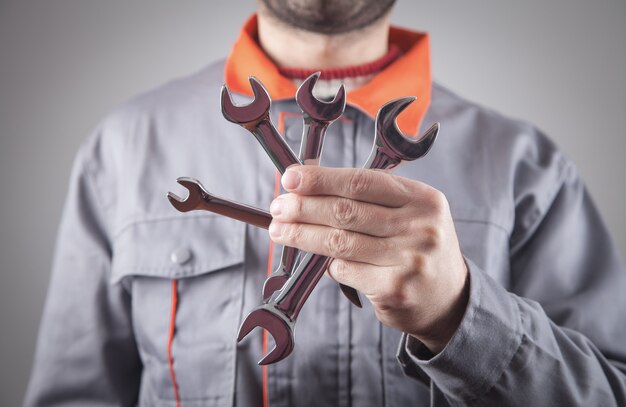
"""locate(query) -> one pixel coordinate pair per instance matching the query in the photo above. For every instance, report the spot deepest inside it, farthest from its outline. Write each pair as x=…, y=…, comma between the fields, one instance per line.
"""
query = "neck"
x=291, y=47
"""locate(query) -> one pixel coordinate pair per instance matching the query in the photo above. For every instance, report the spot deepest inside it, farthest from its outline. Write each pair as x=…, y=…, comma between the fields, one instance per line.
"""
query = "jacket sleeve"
x=86, y=353
x=558, y=337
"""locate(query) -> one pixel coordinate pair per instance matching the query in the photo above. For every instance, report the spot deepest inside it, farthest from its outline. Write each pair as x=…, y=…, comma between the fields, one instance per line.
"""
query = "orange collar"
x=409, y=75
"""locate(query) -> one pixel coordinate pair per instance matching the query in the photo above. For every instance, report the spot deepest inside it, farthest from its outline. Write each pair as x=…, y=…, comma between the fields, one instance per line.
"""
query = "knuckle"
x=413, y=225
x=395, y=292
x=296, y=205
x=340, y=243
x=432, y=236
x=344, y=212
x=414, y=260
x=310, y=181
x=436, y=201
x=359, y=182
x=408, y=188
x=293, y=232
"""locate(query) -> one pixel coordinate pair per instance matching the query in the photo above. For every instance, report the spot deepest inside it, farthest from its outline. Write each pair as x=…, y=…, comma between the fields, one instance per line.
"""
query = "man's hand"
x=392, y=239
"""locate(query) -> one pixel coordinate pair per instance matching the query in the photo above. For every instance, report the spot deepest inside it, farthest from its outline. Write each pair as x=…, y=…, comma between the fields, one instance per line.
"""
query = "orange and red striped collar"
x=408, y=75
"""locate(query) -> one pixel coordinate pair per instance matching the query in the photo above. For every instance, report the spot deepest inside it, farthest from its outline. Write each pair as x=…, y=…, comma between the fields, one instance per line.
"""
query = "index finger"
x=365, y=185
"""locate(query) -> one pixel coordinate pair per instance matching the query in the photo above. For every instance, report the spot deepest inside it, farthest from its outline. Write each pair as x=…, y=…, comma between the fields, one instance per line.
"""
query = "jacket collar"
x=408, y=75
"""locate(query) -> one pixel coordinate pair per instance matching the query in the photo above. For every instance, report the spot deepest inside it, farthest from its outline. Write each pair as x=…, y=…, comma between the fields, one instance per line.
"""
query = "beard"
x=328, y=16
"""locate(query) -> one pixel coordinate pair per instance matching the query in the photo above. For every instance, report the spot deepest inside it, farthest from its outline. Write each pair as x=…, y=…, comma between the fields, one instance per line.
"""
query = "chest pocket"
x=185, y=276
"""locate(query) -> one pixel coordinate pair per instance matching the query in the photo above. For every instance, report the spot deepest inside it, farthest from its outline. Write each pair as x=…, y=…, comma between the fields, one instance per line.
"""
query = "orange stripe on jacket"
x=170, y=341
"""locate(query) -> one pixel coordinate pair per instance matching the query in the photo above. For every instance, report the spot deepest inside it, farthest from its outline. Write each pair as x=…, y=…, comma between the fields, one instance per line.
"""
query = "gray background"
x=64, y=63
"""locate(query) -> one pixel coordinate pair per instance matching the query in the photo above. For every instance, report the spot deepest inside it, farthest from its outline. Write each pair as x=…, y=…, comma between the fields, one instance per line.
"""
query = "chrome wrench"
x=278, y=315
x=255, y=117
x=318, y=115
x=200, y=198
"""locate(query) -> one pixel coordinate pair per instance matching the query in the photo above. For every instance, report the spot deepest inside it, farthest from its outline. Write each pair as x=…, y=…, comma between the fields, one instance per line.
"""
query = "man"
x=490, y=277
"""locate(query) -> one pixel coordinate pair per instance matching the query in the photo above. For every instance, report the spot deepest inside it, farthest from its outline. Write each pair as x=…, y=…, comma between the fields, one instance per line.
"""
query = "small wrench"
x=278, y=315
x=200, y=198
x=318, y=115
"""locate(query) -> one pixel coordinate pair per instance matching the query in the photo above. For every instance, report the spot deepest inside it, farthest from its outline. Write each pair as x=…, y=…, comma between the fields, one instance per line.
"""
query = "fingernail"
x=276, y=207
x=291, y=179
x=276, y=229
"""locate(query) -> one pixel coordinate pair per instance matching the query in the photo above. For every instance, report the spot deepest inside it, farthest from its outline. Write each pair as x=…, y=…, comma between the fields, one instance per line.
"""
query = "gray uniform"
x=545, y=322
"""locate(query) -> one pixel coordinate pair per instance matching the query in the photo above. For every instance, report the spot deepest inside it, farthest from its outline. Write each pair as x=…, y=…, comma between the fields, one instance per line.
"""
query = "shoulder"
x=146, y=117
x=174, y=97
x=498, y=162
x=505, y=141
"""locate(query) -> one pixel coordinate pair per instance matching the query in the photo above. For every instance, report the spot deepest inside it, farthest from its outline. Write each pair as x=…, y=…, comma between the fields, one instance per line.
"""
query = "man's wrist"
x=478, y=352
x=445, y=327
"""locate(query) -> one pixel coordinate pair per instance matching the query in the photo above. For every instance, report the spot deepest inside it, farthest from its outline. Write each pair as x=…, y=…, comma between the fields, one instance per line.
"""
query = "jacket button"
x=180, y=255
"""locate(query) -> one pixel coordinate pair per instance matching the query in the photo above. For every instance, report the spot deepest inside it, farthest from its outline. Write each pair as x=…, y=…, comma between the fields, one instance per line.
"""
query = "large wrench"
x=200, y=198
x=255, y=117
x=318, y=115
x=278, y=315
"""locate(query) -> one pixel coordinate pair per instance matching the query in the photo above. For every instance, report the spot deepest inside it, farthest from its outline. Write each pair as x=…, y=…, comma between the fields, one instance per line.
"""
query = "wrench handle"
x=312, y=141
x=299, y=286
x=274, y=145
x=310, y=151
x=235, y=210
x=380, y=159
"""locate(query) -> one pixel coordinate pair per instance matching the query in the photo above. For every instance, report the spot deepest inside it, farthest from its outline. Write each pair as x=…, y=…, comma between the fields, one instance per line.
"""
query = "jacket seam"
x=136, y=222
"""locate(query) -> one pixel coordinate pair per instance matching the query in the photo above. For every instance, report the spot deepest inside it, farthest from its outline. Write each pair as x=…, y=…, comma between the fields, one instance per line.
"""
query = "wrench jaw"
x=352, y=295
x=396, y=144
x=278, y=325
x=427, y=140
x=196, y=192
x=318, y=110
x=247, y=115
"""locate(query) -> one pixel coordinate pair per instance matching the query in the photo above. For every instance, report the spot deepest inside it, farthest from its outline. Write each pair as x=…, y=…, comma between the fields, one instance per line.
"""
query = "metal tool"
x=278, y=315
x=200, y=198
x=318, y=115
x=255, y=117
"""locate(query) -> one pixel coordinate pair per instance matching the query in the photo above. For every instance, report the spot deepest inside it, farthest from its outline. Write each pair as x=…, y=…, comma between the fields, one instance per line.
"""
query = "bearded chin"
x=328, y=16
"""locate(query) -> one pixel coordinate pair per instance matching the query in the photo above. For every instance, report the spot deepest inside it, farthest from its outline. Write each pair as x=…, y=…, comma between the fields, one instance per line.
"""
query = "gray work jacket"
x=545, y=323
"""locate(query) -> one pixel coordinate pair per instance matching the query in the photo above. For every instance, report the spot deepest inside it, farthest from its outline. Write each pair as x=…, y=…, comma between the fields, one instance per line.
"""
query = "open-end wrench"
x=278, y=315
x=318, y=115
x=200, y=198
x=255, y=117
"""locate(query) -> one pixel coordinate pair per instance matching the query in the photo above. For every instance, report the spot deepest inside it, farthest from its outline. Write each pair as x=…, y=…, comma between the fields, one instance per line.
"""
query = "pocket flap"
x=178, y=247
